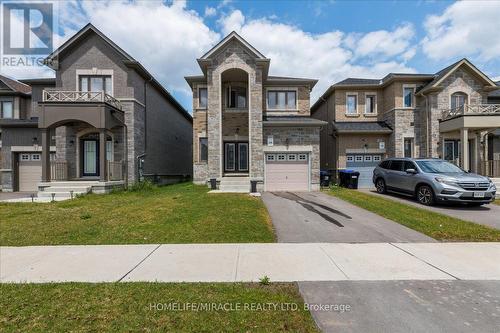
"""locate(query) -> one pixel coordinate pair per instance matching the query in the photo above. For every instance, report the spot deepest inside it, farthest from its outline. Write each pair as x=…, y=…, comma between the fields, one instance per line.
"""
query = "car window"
x=397, y=165
x=385, y=164
x=410, y=165
x=438, y=166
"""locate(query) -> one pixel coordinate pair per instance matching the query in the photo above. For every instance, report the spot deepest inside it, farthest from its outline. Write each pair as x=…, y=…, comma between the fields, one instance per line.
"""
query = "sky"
x=324, y=40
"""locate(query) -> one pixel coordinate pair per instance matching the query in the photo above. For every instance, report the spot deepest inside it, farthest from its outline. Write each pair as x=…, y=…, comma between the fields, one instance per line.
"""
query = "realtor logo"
x=27, y=32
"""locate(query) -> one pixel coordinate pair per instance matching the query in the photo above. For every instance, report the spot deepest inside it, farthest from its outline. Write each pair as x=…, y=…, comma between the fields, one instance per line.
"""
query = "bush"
x=146, y=185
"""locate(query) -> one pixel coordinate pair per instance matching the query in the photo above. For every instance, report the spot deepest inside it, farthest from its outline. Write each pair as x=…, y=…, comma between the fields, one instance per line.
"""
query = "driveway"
x=404, y=306
x=488, y=215
x=314, y=217
x=15, y=195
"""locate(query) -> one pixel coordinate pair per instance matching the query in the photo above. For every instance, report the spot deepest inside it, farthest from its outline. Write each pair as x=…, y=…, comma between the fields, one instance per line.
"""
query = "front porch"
x=477, y=126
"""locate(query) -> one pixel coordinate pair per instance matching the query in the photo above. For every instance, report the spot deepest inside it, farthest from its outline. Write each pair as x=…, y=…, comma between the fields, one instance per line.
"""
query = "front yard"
x=127, y=307
x=181, y=213
x=435, y=225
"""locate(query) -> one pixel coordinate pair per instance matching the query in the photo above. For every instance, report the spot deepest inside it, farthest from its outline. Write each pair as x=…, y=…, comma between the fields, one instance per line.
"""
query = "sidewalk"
x=249, y=262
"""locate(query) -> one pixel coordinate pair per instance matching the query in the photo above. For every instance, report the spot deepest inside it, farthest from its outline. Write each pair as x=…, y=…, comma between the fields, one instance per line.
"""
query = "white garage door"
x=30, y=171
x=287, y=172
x=364, y=164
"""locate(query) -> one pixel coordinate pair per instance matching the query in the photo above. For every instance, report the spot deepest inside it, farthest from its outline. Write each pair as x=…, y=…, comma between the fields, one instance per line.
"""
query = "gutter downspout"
x=144, y=153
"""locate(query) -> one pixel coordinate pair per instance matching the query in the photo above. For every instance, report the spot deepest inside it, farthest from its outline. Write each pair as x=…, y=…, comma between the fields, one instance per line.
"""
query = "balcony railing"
x=80, y=96
x=58, y=170
x=477, y=109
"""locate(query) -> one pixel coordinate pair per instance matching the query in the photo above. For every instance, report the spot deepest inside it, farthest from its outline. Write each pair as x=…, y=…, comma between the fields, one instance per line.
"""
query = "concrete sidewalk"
x=249, y=262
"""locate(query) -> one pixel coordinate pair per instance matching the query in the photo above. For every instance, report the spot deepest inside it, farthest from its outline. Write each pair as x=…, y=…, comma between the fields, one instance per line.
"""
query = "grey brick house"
x=411, y=115
x=103, y=121
x=251, y=126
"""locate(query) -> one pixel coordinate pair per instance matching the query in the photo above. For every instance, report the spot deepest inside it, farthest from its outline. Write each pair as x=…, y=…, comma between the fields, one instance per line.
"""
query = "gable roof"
x=233, y=35
x=16, y=86
x=128, y=60
x=362, y=127
x=445, y=72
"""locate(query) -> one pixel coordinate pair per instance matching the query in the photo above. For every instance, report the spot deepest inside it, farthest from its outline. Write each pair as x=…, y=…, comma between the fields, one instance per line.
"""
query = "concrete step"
x=58, y=195
x=83, y=189
x=235, y=188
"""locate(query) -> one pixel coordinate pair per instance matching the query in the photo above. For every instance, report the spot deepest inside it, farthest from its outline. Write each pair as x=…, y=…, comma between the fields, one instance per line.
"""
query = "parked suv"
x=431, y=180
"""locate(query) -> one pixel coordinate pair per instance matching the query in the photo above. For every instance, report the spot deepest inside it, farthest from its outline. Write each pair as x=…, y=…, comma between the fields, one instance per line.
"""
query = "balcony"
x=478, y=109
x=80, y=96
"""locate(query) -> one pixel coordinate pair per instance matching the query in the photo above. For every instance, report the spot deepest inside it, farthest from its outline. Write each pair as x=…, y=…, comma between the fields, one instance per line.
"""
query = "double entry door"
x=235, y=157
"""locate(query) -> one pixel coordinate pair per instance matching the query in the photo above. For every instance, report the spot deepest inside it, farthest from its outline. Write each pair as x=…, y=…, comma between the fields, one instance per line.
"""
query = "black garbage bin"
x=325, y=178
x=349, y=178
x=213, y=183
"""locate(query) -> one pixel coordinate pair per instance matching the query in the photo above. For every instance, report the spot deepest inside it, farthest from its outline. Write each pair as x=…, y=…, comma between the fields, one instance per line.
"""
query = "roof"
x=357, y=81
x=227, y=39
x=362, y=126
x=47, y=81
x=128, y=60
x=190, y=79
x=293, y=121
x=16, y=86
x=19, y=122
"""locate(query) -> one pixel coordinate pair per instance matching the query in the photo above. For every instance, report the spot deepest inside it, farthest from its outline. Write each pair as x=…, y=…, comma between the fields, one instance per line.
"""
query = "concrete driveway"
x=318, y=217
x=404, y=306
x=488, y=215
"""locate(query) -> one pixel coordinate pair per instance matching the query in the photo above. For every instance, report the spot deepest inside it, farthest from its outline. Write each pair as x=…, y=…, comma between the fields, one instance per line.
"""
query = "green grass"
x=130, y=307
x=181, y=213
x=435, y=225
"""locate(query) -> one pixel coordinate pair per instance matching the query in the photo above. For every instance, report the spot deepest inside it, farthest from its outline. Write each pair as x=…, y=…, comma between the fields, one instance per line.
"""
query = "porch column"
x=45, y=154
x=475, y=154
x=441, y=142
x=102, y=155
x=464, y=148
x=486, y=156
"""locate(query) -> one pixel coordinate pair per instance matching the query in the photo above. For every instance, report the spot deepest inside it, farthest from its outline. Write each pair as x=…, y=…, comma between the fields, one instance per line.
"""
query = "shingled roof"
x=362, y=126
x=16, y=86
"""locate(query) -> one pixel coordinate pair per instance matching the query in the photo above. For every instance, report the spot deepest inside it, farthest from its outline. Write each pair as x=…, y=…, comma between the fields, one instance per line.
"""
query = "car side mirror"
x=411, y=171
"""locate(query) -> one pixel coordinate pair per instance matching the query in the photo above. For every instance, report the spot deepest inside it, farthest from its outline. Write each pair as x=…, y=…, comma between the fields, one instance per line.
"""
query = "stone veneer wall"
x=285, y=137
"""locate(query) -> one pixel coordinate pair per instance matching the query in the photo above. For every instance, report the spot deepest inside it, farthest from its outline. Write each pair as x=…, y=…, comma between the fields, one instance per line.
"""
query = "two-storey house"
x=410, y=115
x=251, y=126
x=102, y=122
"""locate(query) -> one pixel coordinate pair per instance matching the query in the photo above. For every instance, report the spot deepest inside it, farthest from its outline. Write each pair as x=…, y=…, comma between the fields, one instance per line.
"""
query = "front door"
x=90, y=157
x=235, y=157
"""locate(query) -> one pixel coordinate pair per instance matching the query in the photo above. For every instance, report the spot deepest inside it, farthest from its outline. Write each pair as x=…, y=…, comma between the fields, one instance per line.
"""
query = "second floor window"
x=458, y=100
x=352, y=104
x=6, y=109
x=237, y=97
x=96, y=83
x=370, y=104
x=408, y=96
x=202, y=98
x=203, y=149
x=282, y=100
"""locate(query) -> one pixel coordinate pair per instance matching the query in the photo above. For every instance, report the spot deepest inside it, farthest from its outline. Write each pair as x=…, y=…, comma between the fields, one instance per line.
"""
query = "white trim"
x=458, y=91
x=464, y=61
x=347, y=94
x=30, y=148
x=225, y=40
x=96, y=72
x=414, y=87
x=375, y=111
x=289, y=149
x=295, y=89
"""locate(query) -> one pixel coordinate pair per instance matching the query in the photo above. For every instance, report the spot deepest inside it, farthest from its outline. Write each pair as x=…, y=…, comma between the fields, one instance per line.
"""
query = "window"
x=302, y=157
x=368, y=158
x=109, y=150
x=385, y=164
x=281, y=100
x=6, y=109
x=359, y=158
x=202, y=98
x=96, y=83
x=350, y=158
x=408, y=96
x=236, y=97
x=396, y=165
x=376, y=158
x=408, y=147
x=458, y=100
x=36, y=157
x=281, y=157
x=25, y=157
x=370, y=104
x=292, y=157
x=409, y=165
x=203, y=149
x=352, y=104
x=271, y=157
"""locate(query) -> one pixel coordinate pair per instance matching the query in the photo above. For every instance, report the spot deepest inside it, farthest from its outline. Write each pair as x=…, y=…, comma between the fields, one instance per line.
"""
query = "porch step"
x=59, y=195
x=235, y=184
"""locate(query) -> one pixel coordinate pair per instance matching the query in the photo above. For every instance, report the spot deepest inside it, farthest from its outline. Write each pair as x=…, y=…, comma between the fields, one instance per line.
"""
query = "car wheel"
x=425, y=195
x=380, y=186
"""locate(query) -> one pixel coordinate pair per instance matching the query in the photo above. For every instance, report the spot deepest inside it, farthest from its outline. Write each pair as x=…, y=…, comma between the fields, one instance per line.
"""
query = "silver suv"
x=432, y=180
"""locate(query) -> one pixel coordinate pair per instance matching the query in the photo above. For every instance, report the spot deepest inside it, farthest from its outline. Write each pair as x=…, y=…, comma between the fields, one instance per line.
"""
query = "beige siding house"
x=251, y=126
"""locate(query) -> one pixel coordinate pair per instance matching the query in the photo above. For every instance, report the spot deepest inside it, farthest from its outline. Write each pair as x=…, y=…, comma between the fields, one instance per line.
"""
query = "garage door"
x=364, y=164
x=287, y=172
x=30, y=171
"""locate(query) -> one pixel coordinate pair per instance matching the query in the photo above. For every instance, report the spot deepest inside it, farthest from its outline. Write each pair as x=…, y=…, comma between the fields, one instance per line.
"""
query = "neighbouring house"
x=102, y=122
x=412, y=115
x=251, y=126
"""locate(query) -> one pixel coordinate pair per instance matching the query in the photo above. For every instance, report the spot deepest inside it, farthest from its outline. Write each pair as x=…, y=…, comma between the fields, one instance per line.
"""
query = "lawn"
x=181, y=213
x=143, y=307
x=435, y=225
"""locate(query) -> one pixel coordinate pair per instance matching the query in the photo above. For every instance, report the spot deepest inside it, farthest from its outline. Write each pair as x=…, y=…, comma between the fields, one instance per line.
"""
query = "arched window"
x=458, y=100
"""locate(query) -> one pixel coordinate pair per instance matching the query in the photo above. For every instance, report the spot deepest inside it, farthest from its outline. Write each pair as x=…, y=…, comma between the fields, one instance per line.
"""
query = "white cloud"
x=210, y=11
x=386, y=43
x=328, y=57
x=466, y=28
x=496, y=79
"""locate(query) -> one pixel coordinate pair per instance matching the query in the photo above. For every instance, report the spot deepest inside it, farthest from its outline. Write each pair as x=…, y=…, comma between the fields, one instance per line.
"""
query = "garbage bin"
x=349, y=178
x=213, y=183
x=325, y=177
x=253, y=186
